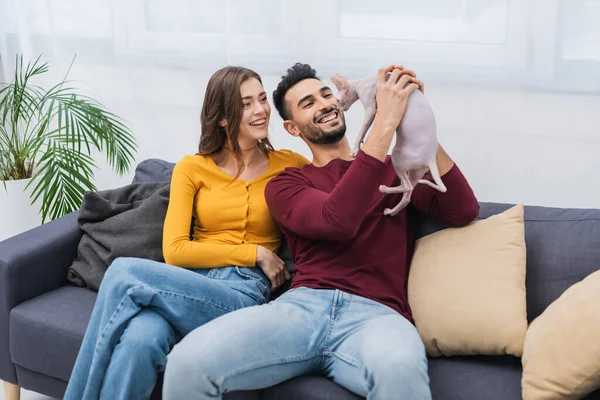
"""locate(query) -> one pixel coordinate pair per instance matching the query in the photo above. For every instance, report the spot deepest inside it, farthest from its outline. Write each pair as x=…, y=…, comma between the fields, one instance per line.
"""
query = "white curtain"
x=515, y=84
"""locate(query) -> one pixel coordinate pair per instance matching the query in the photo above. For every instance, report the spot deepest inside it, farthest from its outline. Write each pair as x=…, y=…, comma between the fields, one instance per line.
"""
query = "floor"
x=25, y=394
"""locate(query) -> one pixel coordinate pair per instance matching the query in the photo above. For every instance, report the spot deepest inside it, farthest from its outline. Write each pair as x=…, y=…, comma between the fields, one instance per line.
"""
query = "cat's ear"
x=340, y=81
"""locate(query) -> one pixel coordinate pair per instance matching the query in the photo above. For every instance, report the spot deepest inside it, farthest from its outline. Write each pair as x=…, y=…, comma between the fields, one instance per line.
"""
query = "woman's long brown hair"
x=223, y=100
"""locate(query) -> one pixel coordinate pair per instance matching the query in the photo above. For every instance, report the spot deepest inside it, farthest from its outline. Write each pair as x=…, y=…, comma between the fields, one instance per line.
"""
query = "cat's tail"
x=435, y=174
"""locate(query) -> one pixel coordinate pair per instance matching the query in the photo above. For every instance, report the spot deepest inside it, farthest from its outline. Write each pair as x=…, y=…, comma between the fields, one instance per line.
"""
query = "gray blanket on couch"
x=123, y=222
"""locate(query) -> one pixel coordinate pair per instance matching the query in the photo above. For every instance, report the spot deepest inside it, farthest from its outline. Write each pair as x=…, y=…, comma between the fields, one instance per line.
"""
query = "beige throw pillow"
x=466, y=287
x=561, y=357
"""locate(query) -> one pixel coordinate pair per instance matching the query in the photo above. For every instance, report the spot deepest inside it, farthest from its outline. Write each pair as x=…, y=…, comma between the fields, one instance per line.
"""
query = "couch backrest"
x=563, y=247
x=153, y=170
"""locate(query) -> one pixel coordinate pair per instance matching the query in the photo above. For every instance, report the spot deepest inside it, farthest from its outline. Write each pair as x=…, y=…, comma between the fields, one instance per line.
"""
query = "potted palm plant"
x=46, y=141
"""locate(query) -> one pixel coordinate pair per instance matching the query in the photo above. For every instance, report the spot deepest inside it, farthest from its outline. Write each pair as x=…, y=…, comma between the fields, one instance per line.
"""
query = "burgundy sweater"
x=332, y=218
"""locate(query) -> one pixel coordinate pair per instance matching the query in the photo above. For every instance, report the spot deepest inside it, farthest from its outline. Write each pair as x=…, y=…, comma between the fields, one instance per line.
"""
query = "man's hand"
x=406, y=71
x=272, y=266
x=391, y=99
x=392, y=95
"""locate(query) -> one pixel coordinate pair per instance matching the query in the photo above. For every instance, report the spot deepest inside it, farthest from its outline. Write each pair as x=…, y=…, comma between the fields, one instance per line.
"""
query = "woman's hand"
x=272, y=266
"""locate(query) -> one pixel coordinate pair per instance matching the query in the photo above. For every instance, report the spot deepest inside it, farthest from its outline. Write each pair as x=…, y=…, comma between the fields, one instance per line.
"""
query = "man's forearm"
x=378, y=142
x=443, y=160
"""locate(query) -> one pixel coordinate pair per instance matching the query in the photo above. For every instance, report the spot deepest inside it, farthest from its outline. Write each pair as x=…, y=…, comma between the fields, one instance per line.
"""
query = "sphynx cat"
x=414, y=152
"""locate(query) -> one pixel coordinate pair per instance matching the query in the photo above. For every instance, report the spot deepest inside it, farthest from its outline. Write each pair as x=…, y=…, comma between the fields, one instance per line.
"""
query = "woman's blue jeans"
x=145, y=307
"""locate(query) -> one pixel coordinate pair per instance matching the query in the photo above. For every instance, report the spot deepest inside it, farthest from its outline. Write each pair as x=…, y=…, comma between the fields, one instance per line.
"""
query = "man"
x=347, y=313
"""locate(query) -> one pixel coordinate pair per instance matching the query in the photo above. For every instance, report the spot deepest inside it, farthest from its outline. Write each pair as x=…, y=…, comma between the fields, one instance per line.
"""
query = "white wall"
x=514, y=146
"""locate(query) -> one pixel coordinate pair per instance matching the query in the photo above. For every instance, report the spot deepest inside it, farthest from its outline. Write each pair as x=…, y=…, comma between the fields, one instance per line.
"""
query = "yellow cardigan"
x=231, y=218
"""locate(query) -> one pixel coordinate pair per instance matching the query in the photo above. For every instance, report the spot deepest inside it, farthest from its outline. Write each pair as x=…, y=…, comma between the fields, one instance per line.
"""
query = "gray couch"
x=43, y=318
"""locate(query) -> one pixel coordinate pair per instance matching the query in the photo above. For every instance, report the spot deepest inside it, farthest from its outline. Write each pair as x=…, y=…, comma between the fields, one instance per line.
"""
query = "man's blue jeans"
x=360, y=344
x=145, y=307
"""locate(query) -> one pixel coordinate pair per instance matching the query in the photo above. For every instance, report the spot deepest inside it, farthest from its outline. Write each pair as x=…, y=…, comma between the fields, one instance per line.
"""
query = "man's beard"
x=315, y=134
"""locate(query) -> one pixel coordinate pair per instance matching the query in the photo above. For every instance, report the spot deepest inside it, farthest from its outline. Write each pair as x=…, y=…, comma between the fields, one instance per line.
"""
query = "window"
x=228, y=31
x=580, y=22
x=450, y=34
x=544, y=44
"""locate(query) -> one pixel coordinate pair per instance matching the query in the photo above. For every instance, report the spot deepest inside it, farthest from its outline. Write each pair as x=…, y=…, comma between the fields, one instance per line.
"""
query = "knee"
x=406, y=361
x=187, y=356
x=123, y=271
x=402, y=372
x=192, y=370
x=147, y=337
x=146, y=347
x=410, y=364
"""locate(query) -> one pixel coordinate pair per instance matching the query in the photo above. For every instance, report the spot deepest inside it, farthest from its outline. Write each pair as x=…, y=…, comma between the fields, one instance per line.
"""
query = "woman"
x=144, y=307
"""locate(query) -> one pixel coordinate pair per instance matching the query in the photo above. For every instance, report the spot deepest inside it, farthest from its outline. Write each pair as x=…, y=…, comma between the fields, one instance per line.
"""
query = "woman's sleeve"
x=178, y=248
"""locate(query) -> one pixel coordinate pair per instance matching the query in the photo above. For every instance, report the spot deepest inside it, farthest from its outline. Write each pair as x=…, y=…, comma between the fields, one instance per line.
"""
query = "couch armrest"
x=33, y=263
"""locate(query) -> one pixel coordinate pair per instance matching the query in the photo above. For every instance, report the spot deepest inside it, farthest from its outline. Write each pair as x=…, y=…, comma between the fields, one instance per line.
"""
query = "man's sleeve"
x=457, y=207
x=300, y=208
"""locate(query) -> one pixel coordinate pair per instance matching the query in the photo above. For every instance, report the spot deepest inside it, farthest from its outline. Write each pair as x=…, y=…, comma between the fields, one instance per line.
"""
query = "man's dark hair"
x=295, y=74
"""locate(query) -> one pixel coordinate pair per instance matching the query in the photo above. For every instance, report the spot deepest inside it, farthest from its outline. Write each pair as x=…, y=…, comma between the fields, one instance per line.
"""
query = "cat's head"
x=346, y=92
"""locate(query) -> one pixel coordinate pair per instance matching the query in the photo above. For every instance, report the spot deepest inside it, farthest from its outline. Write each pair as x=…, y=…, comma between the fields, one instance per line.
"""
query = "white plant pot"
x=17, y=214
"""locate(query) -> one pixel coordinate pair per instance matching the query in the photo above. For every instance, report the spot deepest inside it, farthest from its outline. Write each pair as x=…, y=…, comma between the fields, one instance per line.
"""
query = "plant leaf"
x=62, y=180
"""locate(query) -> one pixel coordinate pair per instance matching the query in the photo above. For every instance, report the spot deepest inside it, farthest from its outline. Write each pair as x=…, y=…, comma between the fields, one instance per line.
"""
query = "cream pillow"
x=466, y=287
x=561, y=357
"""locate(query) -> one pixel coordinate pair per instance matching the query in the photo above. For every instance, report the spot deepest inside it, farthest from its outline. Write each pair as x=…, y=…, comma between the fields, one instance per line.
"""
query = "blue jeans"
x=360, y=344
x=145, y=307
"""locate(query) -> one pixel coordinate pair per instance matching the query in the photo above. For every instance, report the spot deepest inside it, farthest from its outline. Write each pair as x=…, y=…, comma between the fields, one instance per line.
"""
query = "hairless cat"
x=414, y=152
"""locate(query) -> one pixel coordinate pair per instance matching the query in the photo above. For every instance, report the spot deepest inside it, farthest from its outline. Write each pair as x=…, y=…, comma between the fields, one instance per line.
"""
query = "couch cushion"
x=153, y=170
x=475, y=377
x=308, y=388
x=46, y=332
x=481, y=269
x=562, y=248
x=123, y=222
x=562, y=351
